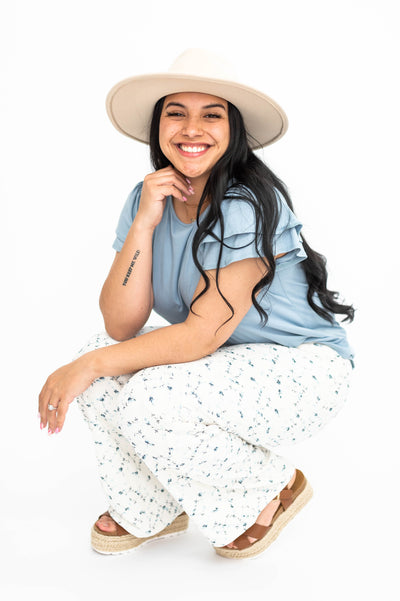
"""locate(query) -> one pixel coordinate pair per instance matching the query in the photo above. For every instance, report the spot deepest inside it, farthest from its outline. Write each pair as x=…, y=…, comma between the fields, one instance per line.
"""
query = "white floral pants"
x=198, y=437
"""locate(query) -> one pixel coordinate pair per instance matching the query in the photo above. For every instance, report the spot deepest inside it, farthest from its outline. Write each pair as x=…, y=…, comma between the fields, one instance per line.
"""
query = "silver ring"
x=51, y=408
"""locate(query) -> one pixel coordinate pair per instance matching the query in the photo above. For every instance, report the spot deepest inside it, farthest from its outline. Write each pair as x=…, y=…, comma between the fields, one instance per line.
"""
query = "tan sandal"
x=121, y=541
x=292, y=500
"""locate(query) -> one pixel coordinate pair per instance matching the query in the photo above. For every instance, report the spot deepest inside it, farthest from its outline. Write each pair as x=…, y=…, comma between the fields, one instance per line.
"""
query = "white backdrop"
x=66, y=172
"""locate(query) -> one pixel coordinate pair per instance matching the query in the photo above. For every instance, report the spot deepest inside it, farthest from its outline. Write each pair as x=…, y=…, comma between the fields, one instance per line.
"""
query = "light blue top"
x=291, y=320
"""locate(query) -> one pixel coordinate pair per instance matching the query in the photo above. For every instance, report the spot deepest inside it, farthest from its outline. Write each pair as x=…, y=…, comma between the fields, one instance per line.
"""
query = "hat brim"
x=130, y=105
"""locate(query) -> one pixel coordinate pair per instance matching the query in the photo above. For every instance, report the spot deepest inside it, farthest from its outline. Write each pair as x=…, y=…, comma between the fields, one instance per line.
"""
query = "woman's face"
x=194, y=132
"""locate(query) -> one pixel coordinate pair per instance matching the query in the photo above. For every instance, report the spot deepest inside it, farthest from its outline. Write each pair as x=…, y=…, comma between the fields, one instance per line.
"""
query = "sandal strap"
x=242, y=542
x=286, y=498
x=256, y=531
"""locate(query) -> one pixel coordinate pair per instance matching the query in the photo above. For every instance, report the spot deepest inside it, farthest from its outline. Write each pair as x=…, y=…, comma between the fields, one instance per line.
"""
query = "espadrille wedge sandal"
x=120, y=541
x=291, y=501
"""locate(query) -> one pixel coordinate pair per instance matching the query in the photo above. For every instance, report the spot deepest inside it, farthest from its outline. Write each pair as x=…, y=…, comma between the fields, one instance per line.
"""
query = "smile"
x=192, y=149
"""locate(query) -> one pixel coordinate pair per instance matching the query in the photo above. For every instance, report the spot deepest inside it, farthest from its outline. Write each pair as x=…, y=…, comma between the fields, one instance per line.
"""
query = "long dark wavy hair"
x=240, y=169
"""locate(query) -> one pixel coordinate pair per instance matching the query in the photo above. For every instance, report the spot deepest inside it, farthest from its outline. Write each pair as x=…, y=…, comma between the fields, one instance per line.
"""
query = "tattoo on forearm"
x=131, y=266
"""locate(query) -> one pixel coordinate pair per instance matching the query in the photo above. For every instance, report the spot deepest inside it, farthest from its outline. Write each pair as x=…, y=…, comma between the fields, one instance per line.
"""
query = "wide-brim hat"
x=130, y=102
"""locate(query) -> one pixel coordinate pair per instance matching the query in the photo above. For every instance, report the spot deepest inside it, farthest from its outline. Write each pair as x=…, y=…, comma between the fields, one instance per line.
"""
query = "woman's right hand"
x=156, y=187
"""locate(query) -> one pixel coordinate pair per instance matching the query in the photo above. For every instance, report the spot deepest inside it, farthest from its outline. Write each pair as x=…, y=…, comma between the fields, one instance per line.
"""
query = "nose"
x=192, y=127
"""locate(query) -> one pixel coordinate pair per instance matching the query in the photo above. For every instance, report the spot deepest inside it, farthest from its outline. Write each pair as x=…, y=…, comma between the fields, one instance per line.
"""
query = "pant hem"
x=131, y=528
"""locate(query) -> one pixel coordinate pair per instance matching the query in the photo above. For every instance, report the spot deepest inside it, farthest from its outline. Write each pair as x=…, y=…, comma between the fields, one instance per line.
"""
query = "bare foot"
x=265, y=517
x=107, y=524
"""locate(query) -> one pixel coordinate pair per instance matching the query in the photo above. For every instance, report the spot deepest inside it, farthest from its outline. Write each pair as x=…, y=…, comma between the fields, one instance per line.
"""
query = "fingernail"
x=184, y=198
x=57, y=430
x=191, y=190
x=50, y=431
x=188, y=180
x=38, y=415
x=41, y=426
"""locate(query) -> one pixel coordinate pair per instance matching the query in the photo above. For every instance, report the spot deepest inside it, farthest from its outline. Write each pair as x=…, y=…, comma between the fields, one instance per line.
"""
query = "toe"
x=106, y=524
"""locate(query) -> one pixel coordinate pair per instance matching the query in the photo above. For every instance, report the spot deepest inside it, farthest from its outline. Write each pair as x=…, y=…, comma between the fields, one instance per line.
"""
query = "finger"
x=175, y=178
x=61, y=413
x=171, y=190
x=177, y=184
x=186, y=183
x=185, y=180
x=44, y=400
x=52, y=414
x=184, y=190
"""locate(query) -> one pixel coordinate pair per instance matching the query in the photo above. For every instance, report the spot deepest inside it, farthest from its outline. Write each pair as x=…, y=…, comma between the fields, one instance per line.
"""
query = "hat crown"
x=203, y=63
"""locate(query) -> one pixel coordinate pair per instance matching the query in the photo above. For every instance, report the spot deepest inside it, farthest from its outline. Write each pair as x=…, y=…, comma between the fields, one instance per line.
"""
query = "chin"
x=191, y=171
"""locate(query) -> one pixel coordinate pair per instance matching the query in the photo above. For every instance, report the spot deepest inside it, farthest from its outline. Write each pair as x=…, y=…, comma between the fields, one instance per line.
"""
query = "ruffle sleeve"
x=127, y=216
x=287, y=237
x=240, y=236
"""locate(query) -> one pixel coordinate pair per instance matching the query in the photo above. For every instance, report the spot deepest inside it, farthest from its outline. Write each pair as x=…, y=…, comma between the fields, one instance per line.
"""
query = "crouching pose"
x=186, y=419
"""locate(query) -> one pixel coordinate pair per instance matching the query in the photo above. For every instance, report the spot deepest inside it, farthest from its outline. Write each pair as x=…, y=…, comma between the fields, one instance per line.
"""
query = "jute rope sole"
x=278, y=525
x=112, y=545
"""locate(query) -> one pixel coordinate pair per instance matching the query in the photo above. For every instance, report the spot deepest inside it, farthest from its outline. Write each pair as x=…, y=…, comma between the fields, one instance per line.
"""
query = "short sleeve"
x=127, y=216
x=240, y=236
x=287, y=237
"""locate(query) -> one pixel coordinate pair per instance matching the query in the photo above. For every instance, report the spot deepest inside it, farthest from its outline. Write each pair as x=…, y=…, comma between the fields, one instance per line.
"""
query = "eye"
x=174, y=114
x=213, y=116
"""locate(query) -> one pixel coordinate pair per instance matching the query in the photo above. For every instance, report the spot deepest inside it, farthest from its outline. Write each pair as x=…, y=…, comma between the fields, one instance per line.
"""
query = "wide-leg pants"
x=198, y=436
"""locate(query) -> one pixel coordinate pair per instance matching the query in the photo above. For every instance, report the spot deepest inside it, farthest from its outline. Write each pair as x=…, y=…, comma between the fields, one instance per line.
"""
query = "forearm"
x=126, y=299
x=171, y=344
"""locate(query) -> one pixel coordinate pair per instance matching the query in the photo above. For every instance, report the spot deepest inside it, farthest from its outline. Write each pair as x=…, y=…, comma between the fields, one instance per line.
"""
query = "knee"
x=151, y=394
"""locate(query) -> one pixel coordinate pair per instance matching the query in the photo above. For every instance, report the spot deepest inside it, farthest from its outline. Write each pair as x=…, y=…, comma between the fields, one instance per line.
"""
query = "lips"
x=192, y=150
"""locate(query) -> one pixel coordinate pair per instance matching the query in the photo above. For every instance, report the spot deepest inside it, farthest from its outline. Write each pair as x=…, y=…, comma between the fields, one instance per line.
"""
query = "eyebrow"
x=207, y=106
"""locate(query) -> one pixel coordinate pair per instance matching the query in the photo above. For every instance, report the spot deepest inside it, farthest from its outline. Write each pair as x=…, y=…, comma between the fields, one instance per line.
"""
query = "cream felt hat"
x=130, y=102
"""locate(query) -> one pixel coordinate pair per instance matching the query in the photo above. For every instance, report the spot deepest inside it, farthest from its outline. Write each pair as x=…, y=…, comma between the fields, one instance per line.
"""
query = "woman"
x=185, y=417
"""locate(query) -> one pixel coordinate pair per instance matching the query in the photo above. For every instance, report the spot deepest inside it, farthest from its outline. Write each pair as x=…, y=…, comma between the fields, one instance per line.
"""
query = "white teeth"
x=192, y=148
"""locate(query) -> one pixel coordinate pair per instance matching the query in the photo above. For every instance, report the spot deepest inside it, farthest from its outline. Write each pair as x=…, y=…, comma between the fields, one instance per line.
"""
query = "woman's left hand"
x=60, y=389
